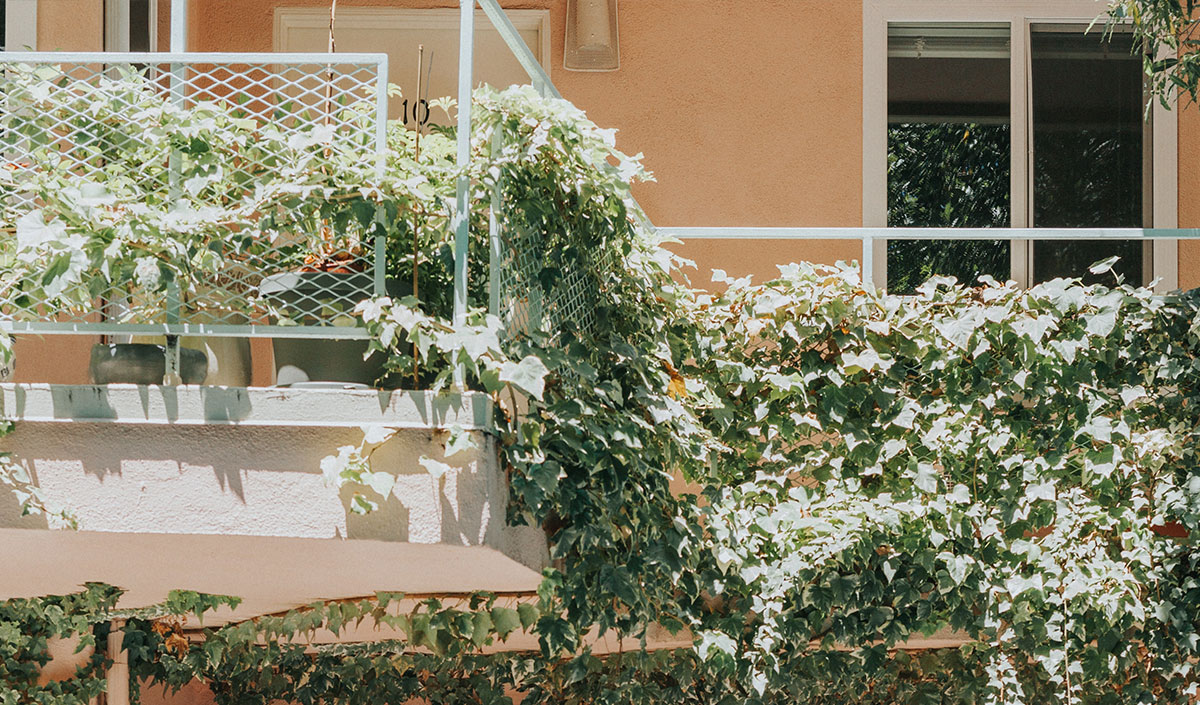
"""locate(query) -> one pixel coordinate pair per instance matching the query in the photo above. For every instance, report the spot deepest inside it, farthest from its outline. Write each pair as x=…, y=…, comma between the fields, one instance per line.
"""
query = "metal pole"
x=179, y=18
x=462, y=217
x=868, y=262
x=494, y=253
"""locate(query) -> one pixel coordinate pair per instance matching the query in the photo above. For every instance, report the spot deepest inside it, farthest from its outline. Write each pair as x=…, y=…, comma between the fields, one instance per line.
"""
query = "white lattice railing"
x=106, y=119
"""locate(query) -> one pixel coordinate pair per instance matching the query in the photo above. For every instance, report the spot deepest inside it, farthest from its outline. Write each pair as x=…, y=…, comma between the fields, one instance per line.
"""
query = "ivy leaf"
x=436, y=468
x=528, y=613
x=1104, y=265
x=459, y=441
x=377, y=434
x=505, y=621
x=528, y=375
x=381, y=482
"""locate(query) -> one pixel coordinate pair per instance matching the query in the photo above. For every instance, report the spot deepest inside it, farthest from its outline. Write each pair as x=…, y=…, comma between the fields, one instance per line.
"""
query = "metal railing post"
x=462, y=213
x=381, y=108
x=179, y=19
x=868, y=262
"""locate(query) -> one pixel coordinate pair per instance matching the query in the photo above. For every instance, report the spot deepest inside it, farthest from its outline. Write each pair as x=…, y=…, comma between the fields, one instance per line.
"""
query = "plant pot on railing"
x=309, y=296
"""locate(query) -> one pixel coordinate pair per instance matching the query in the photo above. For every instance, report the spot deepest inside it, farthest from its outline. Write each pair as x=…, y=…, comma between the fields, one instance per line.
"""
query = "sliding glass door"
x=949, y=146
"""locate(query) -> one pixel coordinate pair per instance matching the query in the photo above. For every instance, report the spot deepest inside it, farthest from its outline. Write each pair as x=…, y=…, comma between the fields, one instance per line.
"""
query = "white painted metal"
x=248, y=407
x=466, y=62
x=20, y=25
x=736, y=233
x=272, y=89
x=179, y=25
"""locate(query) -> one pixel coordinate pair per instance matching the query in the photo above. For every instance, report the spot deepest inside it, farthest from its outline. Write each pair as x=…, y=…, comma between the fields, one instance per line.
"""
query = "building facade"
x=771, y=114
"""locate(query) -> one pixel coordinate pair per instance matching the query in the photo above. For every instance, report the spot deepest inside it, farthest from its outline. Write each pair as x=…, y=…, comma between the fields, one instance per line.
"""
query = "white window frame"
x=116, y=25
x=1020, y=15
x=288, y=18
x=20, y=24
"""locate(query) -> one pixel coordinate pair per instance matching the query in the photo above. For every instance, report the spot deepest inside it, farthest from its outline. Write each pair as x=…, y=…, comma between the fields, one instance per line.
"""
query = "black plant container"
x=315, y=362
x=143, y=363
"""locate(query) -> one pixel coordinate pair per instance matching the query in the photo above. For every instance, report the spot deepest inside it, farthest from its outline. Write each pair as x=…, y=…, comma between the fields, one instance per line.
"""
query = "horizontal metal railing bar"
x=184, y=329
x=930, y=233
x=122, y=57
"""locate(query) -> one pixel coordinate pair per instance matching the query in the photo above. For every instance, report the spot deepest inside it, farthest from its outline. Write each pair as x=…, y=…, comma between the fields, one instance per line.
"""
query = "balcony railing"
x=870, y=236
x=299, y=95
x=105, y=118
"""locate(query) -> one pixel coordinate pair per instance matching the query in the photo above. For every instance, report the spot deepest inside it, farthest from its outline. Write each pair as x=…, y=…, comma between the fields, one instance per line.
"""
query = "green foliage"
x=28, y=627
x=992, y=461
x=946, y=175
x=1168, y=29
x=1014, y=470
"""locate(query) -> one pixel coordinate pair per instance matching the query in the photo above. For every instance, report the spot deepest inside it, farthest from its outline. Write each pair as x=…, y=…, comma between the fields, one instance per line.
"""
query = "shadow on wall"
x=253, y=481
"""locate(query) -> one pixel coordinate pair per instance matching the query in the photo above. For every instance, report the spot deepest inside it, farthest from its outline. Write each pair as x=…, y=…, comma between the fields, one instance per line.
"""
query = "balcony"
x=194, y=206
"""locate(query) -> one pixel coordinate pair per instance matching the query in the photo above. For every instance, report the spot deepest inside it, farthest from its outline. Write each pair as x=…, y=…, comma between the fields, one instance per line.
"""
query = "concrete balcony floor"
x=219, y=490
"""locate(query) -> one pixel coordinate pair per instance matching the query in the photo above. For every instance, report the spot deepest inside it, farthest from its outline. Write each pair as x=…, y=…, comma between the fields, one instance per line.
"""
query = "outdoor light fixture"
x=592, y=40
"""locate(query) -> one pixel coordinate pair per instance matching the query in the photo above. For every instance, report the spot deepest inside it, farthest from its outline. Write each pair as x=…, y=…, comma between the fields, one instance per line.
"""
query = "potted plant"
x=152, y=218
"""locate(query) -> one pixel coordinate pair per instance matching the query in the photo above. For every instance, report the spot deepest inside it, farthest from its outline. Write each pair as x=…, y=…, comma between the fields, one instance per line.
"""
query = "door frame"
x=20, y=24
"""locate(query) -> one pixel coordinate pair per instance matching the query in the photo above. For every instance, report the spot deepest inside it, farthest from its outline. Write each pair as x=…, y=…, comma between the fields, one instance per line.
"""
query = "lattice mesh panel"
x=527, y=303
x=193, y=136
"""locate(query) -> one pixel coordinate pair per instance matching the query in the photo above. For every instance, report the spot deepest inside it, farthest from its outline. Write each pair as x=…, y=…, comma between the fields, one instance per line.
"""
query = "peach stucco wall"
x=70, y=25
x=745, y=118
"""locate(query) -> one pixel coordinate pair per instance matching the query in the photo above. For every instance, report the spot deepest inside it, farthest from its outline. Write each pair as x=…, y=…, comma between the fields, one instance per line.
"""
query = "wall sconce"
x=592, y=40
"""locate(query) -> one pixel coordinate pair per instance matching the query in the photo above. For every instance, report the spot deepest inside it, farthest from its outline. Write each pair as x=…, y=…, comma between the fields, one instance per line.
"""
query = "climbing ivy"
x=797, y=477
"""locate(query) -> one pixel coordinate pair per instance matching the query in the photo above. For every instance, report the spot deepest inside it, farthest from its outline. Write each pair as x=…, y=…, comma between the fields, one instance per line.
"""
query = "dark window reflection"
x=947, y=175
x=949, y=141
x=1088, y=151
x=139, y=25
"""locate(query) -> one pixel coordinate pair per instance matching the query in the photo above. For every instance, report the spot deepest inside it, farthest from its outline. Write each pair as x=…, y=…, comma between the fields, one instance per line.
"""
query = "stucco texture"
x=745, y=118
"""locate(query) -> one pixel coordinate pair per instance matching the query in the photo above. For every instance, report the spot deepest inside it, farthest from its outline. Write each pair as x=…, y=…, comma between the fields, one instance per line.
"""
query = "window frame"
x=1020, y=15
x=20, y=25
x=116, y=25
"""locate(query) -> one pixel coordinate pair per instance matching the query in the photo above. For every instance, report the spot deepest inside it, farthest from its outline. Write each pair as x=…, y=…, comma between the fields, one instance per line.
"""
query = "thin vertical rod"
x=416, y=240
x=381, y=108
x=868, y=263
x=416, y=264
x=179, y=18
x=466, y=61
x=381, y=113
x=494, y=225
